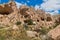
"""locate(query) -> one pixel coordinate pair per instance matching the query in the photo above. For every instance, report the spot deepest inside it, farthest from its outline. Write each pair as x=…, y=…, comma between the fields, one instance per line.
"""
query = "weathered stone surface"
x=23, y=13
x=54, y=33
x=31, y=34
x=10, y=14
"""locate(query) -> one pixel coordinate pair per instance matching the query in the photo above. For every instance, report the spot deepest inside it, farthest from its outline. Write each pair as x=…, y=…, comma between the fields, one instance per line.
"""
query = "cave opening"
x=5, y=13
x=37, y=20
x=23, y=11
x=6, y=10
x=49, y=19
x=42, y=19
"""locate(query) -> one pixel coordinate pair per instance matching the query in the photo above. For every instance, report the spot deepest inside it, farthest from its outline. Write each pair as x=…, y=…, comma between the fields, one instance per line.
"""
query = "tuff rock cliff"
x=34, y=21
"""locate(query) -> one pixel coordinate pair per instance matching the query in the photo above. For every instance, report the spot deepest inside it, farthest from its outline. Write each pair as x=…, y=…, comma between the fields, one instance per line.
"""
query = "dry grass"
x=11, y=34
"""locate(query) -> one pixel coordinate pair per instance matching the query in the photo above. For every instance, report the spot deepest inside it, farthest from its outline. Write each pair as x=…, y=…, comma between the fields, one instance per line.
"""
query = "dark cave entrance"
x=6, y=10
x=49, y=19
x=4, y=13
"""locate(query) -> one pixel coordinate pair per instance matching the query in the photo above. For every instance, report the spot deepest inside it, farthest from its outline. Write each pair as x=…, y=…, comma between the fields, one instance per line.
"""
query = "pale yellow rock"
x=31, y=33
x=15, y=27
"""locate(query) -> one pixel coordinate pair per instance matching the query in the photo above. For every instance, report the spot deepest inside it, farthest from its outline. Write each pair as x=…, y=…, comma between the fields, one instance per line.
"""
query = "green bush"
x=29, y=22
x=18, y=23
x=44, y=30
x=25, y=26
x=56, y=24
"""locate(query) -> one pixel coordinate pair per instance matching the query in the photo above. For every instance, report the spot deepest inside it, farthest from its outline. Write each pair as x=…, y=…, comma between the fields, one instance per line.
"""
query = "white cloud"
x=18, y=4
x=37, y=7
x=54, y=13
x=49, y=5
x=45, y=0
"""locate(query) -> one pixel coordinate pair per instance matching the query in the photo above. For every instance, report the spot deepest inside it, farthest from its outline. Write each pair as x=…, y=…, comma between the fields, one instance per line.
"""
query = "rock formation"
x=55, y=33
x=10, y=14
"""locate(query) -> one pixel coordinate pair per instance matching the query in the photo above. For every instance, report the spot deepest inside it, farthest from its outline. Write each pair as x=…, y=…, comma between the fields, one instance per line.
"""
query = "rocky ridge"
x=34, y=22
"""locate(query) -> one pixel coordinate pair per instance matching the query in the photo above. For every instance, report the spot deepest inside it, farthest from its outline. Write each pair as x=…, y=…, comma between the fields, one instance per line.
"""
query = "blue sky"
x=50, y=6
x=28, y=2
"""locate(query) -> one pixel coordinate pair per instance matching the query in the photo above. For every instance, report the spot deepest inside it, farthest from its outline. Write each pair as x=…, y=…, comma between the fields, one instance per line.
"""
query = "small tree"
x=18, y=23
x=44, y=30
x=29, y=22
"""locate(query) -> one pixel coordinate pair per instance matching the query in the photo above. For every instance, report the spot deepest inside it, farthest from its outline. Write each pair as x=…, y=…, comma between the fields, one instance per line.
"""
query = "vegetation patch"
x=18, y=23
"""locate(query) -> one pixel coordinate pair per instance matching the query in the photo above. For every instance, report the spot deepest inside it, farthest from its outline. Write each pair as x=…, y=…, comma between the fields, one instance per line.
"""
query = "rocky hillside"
x=26, y=23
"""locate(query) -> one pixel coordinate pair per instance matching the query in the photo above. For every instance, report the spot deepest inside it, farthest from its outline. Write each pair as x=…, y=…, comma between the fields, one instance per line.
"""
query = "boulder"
x=54, y=33
x=31, y=33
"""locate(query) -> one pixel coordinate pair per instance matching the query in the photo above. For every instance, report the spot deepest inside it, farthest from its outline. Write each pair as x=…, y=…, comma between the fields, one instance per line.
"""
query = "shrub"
x=44, y=30
x=25, y=26
x=56, y=24
x=29, y=22
x=18, y=23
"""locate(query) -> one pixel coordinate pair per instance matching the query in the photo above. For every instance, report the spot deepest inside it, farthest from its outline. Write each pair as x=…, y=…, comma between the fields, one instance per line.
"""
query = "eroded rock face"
x=8, y=12
x=54, y=33
x=31, y=34
x=11, y=14
x=5, y=10
x=39, y=16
